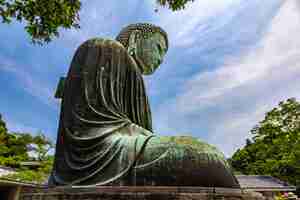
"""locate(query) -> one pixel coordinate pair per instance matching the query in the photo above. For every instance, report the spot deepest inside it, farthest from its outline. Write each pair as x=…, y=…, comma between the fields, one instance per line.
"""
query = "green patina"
x=105, y=132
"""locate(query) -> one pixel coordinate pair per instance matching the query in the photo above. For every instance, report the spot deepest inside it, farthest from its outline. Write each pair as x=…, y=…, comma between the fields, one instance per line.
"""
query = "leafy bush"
x=15, y=148
x=275, y=146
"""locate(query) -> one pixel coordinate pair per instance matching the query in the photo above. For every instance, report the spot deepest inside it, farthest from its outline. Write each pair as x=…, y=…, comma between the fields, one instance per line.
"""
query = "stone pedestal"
x=136, y=193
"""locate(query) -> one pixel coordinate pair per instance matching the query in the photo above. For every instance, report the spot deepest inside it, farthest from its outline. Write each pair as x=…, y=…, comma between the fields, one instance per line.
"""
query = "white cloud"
x=35, y=87
x=181, y=24
x=220, y=29
x=14, y=126
x=276, y=57
x=226, y=101
x=100, y=19
x=231, y=99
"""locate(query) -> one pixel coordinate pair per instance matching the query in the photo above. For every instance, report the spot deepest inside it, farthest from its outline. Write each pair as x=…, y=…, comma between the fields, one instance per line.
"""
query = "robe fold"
x=105, y=131
x=105, y=119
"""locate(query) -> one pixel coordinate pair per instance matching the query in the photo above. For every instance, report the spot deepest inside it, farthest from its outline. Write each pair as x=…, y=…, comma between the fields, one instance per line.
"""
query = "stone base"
x=136, y=193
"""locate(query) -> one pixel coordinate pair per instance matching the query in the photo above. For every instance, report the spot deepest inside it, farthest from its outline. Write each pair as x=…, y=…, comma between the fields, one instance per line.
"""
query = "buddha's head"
x=146, y=43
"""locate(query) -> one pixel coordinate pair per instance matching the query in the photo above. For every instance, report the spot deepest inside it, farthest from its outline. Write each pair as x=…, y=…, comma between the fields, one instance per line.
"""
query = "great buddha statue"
x=105, y=132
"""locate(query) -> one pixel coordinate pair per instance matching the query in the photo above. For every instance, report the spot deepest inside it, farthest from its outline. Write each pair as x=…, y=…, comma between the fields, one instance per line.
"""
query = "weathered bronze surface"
x=105, y=130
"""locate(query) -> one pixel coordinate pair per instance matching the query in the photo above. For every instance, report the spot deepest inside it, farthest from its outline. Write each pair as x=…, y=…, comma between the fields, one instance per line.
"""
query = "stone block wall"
x=136, y=193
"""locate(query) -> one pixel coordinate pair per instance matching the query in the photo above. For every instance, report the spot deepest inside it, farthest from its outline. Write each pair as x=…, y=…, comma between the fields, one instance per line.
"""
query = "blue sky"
x=229, y=62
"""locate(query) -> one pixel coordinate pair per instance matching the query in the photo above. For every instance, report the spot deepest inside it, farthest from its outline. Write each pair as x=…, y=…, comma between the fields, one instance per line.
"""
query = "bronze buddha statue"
x=105, y=130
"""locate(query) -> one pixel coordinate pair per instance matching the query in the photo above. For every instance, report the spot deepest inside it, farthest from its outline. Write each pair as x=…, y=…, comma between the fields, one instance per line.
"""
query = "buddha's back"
x=105, y=130
x=104, y=116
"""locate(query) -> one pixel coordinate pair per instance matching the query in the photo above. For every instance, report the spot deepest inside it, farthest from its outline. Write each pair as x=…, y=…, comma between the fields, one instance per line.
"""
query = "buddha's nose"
x=160, y=60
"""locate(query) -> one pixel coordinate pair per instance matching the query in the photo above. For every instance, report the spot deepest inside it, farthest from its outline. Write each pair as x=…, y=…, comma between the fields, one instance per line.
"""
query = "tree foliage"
x=43, y=18
x=39, y=175
x=174, y=5
x=16, y=148
x=275, y=145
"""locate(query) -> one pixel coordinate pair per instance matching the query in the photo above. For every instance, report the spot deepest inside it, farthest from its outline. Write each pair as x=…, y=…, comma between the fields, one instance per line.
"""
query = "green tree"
x=3, y=137
x=174, y=5
x=19, y=147
x=13, y=148
x=275, y=146
x=41, y=145
x=39, y=175
x=16, y=147
x=43, y=17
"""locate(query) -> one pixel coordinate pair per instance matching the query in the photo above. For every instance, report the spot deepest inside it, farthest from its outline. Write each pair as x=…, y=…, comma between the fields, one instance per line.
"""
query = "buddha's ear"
x=132, y=42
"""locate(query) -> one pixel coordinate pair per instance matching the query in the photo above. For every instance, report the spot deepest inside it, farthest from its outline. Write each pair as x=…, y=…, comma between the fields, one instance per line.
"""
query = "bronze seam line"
x=132, y=96
x=111, y=77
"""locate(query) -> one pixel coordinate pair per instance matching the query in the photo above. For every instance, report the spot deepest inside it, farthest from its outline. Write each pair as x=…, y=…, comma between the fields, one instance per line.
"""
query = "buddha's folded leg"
x=182, y=161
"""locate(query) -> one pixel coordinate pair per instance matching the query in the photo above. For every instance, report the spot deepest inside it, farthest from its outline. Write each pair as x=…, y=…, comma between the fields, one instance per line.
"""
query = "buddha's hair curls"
x=144, y=28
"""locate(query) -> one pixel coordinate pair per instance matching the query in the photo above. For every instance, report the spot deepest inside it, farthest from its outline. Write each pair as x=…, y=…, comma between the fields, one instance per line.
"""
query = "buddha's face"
x=149, y=52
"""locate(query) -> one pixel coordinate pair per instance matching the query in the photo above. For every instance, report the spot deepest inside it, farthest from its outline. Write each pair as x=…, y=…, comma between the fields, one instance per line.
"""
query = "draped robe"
x=105, y=119
x=105, y=132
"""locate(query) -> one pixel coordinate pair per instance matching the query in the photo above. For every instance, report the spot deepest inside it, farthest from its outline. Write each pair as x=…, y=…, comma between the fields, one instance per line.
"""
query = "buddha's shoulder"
x=111, y=47
x=103, y=43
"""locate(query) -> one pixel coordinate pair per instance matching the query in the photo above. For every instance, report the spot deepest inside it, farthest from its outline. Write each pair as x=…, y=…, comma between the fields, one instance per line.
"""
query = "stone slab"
x=136, y=193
